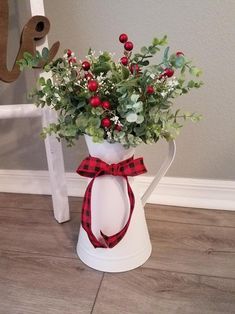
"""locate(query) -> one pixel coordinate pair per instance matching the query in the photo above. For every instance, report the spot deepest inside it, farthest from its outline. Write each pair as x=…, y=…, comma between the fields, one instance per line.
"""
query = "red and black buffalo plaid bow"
x=93, y=167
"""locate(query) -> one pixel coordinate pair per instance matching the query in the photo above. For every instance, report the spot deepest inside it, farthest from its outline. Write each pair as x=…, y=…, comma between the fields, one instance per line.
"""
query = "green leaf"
x=155, y=41
x=153, y=50
x=195, y=117
x=45, y=53
x=94, y=122
x=41, y=81
x=140, y=130
x=98, y=111
x=22, y=64
x=101, y=68
x=125, y=72
x=49, y=82
x=89, y=52
x=179, y=62
x=195, y=71
x=166, y=52
x=140, y=119
x=104, y=57
x=144, y=50
x=138, y=106
x=81, y=105
x=163, y=41
x=134, y=98
x=28, y=56
x=131, y=117
x=191, y=84
x=144, y=63
x=198, y=84
x=81, y=122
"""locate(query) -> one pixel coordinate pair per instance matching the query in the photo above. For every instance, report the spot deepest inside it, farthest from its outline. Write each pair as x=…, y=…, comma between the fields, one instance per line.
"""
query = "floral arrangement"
x=129, y=101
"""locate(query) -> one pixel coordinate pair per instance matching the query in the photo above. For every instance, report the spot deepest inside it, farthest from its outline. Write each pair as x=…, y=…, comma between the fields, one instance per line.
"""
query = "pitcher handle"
x=162, y=171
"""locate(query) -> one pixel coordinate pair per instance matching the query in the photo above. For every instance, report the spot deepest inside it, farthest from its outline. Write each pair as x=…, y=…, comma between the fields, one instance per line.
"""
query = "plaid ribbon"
x=93, y=167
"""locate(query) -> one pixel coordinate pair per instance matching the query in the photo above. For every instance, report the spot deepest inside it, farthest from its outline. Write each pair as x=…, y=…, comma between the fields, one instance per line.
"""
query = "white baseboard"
x=186, y=192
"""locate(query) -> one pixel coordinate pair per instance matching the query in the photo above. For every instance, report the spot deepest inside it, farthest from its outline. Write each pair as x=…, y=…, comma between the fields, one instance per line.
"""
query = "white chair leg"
x=56, y=171
x=53, y=147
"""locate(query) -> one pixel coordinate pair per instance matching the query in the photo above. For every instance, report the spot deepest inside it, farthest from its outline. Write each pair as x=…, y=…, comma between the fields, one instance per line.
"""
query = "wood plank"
x=30, y=283
x=25, y=201
x=34, y=201
x=191, y=215
x=206, y=250
x=37, y=231
x=159, y=292
x=153, y=211
x=177, y=247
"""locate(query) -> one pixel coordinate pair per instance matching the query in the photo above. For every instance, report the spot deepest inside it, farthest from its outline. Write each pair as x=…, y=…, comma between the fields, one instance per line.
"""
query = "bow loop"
x=92, y=167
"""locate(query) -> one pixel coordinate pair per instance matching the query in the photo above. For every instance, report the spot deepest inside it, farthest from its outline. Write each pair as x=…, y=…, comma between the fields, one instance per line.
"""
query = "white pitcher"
x=109, y=212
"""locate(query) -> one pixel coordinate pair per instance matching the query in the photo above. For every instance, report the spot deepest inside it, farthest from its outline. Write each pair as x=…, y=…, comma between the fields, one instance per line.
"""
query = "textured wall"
x=20, y=147
x=204, y=29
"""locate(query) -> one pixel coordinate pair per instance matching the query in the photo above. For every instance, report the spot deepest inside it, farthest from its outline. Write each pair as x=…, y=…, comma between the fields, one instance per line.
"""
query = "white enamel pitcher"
x=110, y=210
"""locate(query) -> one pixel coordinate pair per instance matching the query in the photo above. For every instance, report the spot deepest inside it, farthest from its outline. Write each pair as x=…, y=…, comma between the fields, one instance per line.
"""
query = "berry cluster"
x=70, y=56
x=93, y=85
x=125, y=60
x=134, y=68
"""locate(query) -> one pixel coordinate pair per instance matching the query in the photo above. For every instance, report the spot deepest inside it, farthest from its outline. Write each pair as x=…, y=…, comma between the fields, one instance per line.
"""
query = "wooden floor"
x=191, y=270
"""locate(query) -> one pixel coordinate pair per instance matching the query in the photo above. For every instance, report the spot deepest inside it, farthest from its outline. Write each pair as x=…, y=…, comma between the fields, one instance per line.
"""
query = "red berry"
x=86, y=65
x=179, y=53
x=106, y=104
x=118, y=127
x=123, y=38
x=134, y=68
x=106, y=122
x=128, y=46
x=124, y=60
x=72, y=60
x=95, y=101
x=149, y=90
x=88, y=76
x=93, y=85
x=168, y=72
x=69, y=53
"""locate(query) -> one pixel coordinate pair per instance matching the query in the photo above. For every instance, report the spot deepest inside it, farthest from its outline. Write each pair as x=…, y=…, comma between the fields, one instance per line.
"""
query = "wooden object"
x=35, y=29
x=53, y=147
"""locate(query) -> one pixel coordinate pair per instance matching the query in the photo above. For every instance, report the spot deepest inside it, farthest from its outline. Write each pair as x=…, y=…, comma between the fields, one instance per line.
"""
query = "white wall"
x=204, y=29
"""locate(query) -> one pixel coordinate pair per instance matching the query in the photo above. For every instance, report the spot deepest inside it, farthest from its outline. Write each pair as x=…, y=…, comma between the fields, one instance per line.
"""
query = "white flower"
x=66, y=79
x=173, y=82
x=109, y=134
x=164, y=93
x=115, y=119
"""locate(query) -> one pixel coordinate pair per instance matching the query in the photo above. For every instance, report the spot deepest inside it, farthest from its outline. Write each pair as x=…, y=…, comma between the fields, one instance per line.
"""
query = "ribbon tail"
x=113, y=240
x=86, y=217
